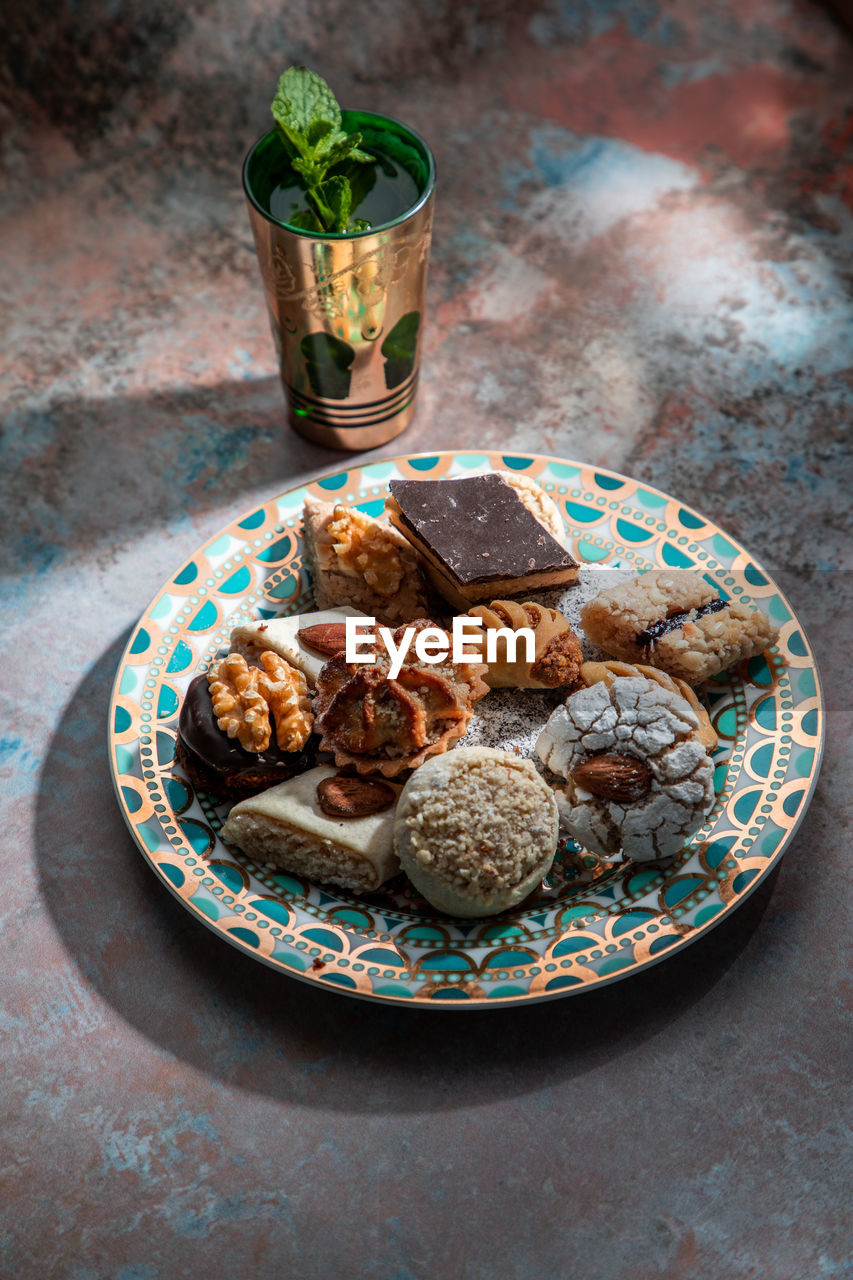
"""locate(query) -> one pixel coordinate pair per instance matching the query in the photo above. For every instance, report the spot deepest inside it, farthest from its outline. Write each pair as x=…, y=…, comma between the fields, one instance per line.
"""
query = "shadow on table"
x=242, y=1023
x=136, y=463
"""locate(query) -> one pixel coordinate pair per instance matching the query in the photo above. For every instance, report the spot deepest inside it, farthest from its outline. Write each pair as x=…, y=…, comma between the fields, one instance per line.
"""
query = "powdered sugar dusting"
x=512, y=719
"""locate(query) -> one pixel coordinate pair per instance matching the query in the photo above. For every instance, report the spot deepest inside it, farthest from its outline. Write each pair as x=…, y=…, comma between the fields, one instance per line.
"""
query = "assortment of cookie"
x=347, y=760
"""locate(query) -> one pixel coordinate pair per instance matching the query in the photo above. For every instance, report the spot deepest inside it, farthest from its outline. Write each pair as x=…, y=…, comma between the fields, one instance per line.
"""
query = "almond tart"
x=377, y=723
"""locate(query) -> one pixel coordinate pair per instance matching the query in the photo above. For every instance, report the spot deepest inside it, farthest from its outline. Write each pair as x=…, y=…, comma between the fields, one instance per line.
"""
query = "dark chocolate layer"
x=656, y=630
x=478, y=528
x=223, y=760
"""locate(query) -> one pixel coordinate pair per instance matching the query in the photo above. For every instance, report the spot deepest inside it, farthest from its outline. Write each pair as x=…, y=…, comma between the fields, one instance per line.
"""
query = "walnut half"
x=244, y=696
x=240, y=708
x=286, y=693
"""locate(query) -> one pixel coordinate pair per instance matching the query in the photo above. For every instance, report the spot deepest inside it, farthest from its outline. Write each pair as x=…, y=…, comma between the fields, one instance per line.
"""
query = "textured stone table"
x=640, y=252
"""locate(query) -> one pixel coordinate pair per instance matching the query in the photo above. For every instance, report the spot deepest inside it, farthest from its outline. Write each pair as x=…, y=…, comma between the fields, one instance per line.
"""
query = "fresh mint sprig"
x=309, y=122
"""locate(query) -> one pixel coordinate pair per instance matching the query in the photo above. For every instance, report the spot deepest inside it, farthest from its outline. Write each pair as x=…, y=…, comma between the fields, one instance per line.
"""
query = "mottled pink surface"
x=641, y=259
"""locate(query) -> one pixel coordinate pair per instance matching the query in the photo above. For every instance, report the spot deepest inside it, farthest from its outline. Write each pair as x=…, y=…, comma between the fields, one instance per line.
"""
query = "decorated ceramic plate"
x=592, y=921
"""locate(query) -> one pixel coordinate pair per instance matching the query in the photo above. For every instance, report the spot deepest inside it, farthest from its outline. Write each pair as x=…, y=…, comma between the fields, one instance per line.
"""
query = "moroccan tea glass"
x=346, y=310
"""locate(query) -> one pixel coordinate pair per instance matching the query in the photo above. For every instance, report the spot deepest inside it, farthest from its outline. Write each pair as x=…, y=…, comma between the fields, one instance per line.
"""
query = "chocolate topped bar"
x=477, y=537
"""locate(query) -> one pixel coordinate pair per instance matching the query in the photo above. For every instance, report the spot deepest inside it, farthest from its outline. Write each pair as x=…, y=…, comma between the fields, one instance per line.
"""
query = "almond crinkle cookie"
x=675, y=620
x=637, y=776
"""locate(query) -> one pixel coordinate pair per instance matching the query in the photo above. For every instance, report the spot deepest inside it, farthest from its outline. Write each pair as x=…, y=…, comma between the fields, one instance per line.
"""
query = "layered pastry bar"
x=359, y=561
x=477, y=538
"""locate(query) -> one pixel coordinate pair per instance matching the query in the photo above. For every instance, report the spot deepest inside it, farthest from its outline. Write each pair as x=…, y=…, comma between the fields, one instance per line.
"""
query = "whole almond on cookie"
x=353, y=797
x=324, y=637
x=614, y=776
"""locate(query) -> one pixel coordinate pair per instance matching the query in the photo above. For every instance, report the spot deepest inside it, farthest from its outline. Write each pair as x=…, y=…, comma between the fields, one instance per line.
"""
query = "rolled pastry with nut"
x=321, y=826
x=305, y=640
x=556, y=659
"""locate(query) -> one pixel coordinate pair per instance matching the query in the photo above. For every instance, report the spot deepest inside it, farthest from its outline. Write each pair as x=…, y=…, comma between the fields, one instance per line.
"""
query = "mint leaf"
x=332, y=201
x=324, y=212
x=320, y=129
x=306, y=220
x=338, y=197
x=311, y=171
x=309, y=120
x=303, y=97
x=338, y=147
x=293, y=141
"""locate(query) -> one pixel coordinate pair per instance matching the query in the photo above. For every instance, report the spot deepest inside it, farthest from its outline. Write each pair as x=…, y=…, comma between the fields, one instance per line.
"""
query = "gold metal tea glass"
x=346, y=310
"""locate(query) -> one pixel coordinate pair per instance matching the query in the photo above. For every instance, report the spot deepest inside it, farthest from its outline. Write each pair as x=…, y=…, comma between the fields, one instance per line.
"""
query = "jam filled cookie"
x=676, y=621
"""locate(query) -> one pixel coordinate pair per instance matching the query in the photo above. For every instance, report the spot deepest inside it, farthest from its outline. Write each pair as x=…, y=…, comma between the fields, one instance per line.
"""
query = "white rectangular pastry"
x=289, y=827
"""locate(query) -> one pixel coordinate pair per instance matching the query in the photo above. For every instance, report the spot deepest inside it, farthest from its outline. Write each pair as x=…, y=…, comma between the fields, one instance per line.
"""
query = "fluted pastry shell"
x=377, y=723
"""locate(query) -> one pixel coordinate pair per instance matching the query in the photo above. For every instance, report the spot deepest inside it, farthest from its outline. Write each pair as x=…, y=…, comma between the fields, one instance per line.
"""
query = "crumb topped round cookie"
x=476, y=830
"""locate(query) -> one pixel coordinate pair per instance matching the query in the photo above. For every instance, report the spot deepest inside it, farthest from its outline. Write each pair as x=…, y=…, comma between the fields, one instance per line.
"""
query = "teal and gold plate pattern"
x=592, y=921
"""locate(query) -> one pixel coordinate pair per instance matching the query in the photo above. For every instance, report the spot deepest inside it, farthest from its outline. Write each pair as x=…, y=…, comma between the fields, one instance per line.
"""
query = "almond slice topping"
x=327, y=638
x=614, y=776
x=341, y=797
